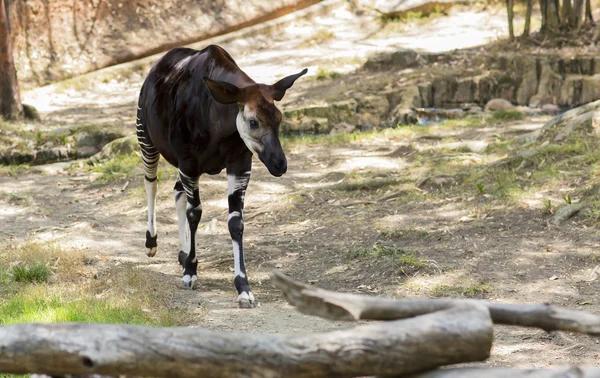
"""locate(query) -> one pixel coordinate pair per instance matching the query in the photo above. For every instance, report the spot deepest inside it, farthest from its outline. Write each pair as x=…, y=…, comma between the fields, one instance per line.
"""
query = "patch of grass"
x=508, y=115
x=37, y=272
x=35, y=305
x=117, y=167
x=323, y=74
x=406, y=258
x=400, y=233
x=364, y=185
x=471, y=291
x=42, y=282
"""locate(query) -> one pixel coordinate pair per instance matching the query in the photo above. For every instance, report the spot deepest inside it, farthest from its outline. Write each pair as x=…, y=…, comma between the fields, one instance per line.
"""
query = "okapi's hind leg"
x=150, y=157
x=193, y=214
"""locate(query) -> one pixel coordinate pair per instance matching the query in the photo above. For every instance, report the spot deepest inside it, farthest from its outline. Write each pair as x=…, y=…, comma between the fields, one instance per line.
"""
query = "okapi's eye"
x=253, y=124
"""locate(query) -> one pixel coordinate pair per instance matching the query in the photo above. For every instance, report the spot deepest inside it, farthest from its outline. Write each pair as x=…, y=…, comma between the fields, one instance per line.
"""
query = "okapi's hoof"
x=189, y=283
x=151, y=244
x=246, y=300
x=151, y=251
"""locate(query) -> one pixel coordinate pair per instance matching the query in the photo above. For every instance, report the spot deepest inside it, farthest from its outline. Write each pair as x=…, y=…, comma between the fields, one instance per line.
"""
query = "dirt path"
x=315, y=222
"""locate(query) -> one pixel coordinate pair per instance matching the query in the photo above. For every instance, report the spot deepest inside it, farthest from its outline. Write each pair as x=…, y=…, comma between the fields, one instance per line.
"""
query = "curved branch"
x=344, y=306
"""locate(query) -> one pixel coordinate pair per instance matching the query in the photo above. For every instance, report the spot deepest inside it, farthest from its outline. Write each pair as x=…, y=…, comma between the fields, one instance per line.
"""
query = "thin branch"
x=345, y=306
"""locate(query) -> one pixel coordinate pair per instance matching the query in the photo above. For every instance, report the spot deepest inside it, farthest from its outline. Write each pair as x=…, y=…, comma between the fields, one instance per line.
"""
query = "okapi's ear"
x=284, y=84
x=222, y=92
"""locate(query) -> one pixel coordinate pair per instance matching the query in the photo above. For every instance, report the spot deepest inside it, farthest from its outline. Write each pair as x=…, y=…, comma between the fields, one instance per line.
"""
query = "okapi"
x=202, y=113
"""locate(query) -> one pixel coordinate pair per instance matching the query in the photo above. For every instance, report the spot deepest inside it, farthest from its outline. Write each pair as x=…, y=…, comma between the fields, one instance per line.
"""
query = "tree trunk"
x=10, y=99
x=588, y=11
x=510, y=13
x=567, y=15
x=577, y=13
x=543, y=7
x=528, y=18
x=552, y=19
x=458, y=335
x=343, y=306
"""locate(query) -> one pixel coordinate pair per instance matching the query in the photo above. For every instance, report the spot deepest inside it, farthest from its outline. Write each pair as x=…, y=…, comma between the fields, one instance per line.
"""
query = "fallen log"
x=345, y=306
x=561, y=372
x=457, y=335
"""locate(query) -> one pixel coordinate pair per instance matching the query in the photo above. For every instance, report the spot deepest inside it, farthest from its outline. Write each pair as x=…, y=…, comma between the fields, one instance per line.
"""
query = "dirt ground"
x=317, y=223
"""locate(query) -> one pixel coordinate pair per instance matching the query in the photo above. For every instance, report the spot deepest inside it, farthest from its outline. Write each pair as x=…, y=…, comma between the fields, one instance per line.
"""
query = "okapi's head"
x=258, y=118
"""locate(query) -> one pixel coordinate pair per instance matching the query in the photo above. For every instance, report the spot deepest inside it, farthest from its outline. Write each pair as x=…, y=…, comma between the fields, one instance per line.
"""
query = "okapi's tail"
x=150, y=154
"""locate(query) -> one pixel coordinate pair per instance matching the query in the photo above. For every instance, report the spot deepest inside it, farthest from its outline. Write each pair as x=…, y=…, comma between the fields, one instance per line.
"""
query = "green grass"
x=36, y=306
x=323, y=74
x=41, y=282
x=117, y=167
x=401, y=233
x=364, y=185
x=37, y=272
x=404, y=257
x=471, y=291
x=508, y=115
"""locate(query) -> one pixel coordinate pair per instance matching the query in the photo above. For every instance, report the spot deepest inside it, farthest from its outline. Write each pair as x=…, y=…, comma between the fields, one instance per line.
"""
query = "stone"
x=497, y=104
x=368, y=120
x=399, y=60
x=528, y=111
x=550, y=109
x=86, y=151
x=548, y=88
x=527, y=72
x=376, y=104
x=402, y=116
x=120, y=146
x=31, y=113
x=466, y=89
x=342, y=128
x=319, y=117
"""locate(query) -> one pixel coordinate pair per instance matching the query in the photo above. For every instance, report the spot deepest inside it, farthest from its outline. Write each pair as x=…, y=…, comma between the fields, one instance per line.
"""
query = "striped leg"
x=237, y=179
x=180, y=205
x=193, y=214
x=150, y=157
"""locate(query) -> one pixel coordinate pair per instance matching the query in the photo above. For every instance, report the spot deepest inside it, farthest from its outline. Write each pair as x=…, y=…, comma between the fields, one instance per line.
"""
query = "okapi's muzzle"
x=272, y=155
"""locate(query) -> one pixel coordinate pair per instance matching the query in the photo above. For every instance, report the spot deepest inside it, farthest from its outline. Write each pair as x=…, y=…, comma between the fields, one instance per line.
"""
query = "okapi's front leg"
x=193, y=213
x=238, y=176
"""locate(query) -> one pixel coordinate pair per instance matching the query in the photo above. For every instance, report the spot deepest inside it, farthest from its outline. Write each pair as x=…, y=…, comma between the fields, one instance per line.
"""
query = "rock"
x=583, y=121
x=320, y=118
x=473, y=110
x=436, y=182
x=466, y=89
x=342, y=128
x=399, y=60
x=86, y=151
x=437, y=114
x=376, y=104
x=497, y=104
x=550, y=109
x=368, y=120
x=565, y=213
x=401, y=116
x=548, y=87
x=31, y=113
x=528, y=111
x=120, y=146
x=95, y=135
x=527, y=72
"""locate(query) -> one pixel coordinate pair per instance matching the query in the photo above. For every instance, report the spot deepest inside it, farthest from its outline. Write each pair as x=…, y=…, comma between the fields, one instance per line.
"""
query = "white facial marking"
x=243, y=126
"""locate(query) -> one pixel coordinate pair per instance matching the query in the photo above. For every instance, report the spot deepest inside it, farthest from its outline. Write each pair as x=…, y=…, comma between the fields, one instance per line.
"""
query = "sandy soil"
x=305, y=225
